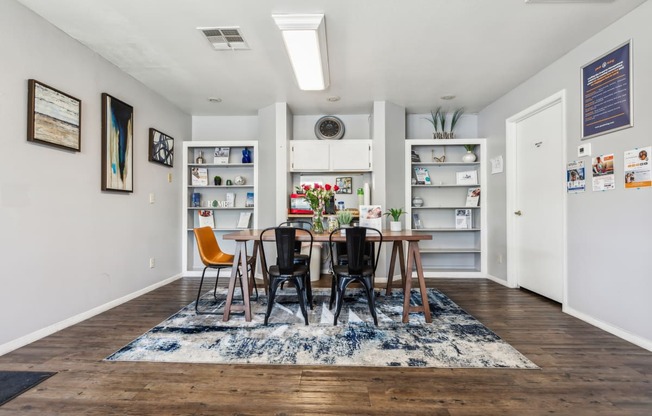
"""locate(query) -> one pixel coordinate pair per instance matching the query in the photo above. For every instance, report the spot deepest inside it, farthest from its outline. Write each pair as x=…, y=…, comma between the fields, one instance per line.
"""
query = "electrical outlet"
x=152, y=262
x=500, y=258
x=152, y=198
x=170, y=177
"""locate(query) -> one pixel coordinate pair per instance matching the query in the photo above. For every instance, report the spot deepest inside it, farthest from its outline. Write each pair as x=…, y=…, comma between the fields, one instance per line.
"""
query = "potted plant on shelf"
x=344, y=218
x=438, y=120
x=469, y=157
x=395, y=213
x=217, y=180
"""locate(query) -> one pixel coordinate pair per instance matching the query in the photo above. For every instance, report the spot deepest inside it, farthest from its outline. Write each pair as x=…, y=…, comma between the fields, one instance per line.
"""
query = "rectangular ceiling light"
x=305, y=40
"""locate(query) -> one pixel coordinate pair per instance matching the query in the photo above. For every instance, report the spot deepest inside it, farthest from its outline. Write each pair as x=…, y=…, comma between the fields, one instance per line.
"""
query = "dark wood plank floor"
x=584, y=370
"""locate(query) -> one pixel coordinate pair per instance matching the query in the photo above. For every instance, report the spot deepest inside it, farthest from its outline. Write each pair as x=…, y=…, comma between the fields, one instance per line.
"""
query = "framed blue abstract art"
x=161, y=148
x=117, y=145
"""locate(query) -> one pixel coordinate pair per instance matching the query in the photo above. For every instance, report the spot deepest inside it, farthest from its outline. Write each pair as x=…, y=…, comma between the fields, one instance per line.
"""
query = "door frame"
x=511, y=165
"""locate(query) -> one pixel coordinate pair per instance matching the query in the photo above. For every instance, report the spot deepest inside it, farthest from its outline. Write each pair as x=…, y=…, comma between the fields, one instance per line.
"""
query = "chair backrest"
x=304, y=225
x=356, y=246
x=207, y=245
x=285, y=238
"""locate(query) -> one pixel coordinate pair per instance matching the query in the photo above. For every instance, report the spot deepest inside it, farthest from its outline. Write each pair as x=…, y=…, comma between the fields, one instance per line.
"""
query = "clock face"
x=329, y=127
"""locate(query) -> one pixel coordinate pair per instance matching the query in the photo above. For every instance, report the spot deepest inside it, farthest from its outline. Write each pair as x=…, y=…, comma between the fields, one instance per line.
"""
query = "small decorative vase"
x=246, y=155
x=217, y=180
x=417, y=201
x=318, y=221
x=395, y=225
x=469, y=157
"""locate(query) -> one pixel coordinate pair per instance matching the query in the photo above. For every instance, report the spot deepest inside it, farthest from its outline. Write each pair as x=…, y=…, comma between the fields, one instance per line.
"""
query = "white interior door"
x=538, y=238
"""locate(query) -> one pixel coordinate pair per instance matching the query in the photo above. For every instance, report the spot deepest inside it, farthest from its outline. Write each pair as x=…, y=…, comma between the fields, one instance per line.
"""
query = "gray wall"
x=609, y=233
x=67, y=249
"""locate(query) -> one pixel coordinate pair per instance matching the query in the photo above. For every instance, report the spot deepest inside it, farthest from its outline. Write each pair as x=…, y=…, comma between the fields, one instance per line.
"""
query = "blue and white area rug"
x=454, y=339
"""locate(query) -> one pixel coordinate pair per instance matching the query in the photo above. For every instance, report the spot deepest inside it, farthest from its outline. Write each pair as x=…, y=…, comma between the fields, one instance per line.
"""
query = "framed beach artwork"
x=117, y=145
x=54, y=117
x=161, y=148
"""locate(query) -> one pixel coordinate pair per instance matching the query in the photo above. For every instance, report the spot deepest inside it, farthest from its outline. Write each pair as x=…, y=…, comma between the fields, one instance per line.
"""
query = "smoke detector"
x=224, y=38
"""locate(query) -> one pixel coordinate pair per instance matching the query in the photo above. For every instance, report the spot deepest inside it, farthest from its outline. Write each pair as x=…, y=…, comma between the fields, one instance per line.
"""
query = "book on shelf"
x=473, y=197
x=422, y=175
x=221, y=155
x=416, y=222
x=469, y=177
x=249, y=202
x=206, y=218
x=243, y=221
x=463, y=219
x=230, y=200
x=199, y=176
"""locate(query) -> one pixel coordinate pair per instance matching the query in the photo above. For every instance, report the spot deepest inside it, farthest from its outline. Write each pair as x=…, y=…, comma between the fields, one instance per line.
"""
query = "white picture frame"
x=467, y=177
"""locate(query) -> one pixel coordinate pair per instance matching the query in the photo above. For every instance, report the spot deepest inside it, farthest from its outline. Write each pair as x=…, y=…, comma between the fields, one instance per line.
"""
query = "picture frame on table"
x=54, y=117
x=161, y=148
x=117, y=145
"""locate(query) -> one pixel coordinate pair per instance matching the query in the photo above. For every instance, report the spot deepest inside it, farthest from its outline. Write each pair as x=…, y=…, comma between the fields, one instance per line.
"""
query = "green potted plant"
x=217, y=180
x=344, y=218
x=395, y=213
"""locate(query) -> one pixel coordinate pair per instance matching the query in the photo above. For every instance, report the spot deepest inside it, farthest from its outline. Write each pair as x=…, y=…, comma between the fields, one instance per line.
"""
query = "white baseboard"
x=499, y=281
x=49, y=330
x=620, y=333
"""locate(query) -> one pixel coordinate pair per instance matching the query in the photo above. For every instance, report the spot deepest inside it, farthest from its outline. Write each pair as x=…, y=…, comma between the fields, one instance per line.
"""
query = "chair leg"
x=299, y=283
x=369, y=288
x=342, y=283
x=332, y=299
x=201, y=283
x=216, y=279
x=273, y=285
x=308, y=288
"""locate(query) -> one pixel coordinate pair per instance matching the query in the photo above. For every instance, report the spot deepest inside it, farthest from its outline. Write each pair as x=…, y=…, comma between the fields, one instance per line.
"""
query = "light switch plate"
x=584, y=150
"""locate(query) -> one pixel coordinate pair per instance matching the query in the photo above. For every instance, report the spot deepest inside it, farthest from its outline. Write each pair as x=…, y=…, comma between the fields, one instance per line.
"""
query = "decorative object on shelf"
x=395, y=213
x=230, y=200
x=246, y=155
x=199, y=176
x=413, y=181
x=217, y=180
x=161, y=148
x=415, y=156
x=422, y=175
x=200, y=158
x=229, y=182
x=438, y=120
x=54, y=117
x=117, y=145
x=345, y=184
x=196, y=199
x=221, y=155
x=317, y=195
x=473, y=197
x=329, y=127
x=344, y=218
x=249, y=202
x=205, y=218
x=239, y=180
x=463, y=219
x=416, y=222
x=243, y=221
x=417, y=201
x=469, y=177
x=440, y=159
x=469, y=157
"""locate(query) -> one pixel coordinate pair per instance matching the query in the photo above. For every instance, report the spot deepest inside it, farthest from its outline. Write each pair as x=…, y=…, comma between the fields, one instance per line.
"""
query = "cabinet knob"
x=519, y=213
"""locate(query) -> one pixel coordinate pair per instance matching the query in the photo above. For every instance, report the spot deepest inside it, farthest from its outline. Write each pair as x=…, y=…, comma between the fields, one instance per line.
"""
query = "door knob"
x=519, y=213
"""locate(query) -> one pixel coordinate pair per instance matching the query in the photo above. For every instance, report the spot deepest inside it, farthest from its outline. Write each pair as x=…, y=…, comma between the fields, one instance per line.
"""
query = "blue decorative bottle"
x=246, y=155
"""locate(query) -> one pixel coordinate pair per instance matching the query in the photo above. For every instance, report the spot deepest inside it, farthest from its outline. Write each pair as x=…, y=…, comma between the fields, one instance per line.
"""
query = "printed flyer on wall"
x=575, y=177
x=637, y=168
x=603, y=173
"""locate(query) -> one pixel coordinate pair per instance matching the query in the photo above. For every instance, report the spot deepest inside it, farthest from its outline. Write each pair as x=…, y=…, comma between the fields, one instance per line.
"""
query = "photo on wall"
x=345, y=184
x=54, y=117
x=161, y=148
x=117, y=145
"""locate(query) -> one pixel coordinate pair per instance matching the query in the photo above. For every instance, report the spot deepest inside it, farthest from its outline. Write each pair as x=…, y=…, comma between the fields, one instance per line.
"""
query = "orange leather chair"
x=213, y=257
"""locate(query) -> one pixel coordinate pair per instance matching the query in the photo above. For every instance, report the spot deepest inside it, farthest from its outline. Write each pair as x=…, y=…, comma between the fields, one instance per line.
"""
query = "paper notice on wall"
x=575, y=177
x=603, y=173
x=637, y=168
x=497, y=165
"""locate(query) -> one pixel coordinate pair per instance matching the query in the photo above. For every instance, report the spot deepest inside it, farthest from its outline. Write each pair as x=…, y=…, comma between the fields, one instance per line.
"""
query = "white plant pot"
x=395, y=225
x=469, y=157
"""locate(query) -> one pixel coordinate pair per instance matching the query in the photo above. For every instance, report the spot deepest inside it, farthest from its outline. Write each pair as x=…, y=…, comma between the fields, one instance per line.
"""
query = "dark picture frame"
x=607, y=101
x=161, y=148
x=117, y=145
x=53, y=117
x=345, y=184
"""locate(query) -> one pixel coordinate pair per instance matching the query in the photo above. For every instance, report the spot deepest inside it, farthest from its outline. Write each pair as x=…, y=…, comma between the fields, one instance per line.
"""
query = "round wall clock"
x=329, y=127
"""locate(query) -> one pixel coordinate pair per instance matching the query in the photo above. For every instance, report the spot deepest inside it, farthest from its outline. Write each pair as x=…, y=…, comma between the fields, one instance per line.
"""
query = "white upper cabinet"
x=330, y=156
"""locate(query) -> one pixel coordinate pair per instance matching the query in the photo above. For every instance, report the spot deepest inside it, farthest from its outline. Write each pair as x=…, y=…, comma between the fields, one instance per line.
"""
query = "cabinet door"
x=309, y=155
x=350, y=155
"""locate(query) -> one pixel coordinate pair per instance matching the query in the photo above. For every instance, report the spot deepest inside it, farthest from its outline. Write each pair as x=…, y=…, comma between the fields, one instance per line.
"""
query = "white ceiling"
x=408, y=52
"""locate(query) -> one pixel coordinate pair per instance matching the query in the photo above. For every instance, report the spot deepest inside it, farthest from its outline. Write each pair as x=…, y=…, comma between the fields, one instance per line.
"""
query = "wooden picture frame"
x=161, y=148
x=117, y=145
x=53, y=117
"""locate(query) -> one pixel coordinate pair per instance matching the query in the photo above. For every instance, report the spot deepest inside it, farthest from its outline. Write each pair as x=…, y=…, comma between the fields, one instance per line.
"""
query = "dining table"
x=397, y=238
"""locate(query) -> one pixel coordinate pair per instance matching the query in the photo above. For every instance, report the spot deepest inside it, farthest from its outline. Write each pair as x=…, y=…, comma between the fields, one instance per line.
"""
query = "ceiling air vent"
x=225, y=38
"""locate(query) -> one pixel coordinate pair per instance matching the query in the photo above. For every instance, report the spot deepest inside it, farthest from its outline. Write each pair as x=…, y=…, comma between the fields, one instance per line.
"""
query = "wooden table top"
x=405, y=235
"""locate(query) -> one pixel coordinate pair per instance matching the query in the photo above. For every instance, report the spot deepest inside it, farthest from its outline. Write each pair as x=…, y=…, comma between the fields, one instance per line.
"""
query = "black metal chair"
x=299, y=258
x=285, y=269
x=357, y=269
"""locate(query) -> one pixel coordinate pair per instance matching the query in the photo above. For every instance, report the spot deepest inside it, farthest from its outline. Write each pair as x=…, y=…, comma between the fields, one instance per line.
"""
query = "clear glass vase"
x=318, y=221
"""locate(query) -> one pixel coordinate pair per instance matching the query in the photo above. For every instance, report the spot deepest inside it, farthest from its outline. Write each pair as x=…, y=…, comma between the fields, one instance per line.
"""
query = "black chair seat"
x=343, y=270
x=299, y=270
